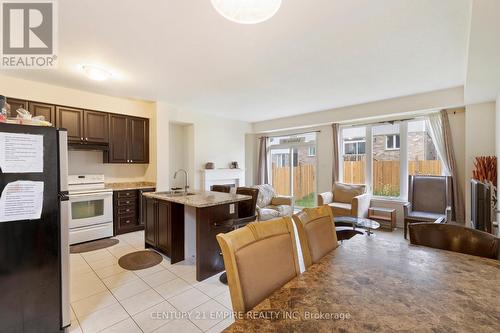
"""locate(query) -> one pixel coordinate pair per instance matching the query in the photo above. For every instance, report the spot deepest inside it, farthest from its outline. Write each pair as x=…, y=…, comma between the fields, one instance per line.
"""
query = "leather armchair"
x=457, y=238
x=346, y=200
x=429, y=200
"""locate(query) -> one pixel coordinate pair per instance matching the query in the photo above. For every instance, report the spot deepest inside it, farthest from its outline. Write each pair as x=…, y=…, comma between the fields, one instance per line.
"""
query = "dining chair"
x=317, y=233
x=456, y=238
x=221, y=188
x=259, y=259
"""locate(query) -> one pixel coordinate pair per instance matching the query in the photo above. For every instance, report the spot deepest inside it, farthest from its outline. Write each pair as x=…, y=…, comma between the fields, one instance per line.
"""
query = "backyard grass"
x=306, y=201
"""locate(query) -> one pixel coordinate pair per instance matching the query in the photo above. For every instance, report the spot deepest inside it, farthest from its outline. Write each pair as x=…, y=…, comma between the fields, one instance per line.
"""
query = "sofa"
x=270, y=205
x=346, y=200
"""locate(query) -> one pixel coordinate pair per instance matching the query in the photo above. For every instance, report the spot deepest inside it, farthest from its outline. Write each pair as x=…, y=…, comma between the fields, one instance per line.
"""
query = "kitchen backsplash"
x=90, y=162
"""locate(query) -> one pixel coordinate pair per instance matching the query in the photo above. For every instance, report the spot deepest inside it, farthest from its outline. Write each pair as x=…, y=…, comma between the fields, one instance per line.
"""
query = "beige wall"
x=442, y=99
x=479, y=140
x=211, y=139
x=91, y=162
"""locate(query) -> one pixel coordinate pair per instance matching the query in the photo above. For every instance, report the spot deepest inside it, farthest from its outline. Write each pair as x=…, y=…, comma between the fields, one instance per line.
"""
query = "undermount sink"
x=175, y=194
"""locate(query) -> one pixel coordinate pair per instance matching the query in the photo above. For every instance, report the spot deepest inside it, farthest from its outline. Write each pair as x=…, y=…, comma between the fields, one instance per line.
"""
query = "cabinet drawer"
x=127, y=210
x=127, y=221
x=126, y=202
x=126, y=194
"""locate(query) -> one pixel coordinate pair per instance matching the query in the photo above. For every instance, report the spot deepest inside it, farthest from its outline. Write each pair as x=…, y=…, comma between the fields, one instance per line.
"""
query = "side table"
x=385, y=216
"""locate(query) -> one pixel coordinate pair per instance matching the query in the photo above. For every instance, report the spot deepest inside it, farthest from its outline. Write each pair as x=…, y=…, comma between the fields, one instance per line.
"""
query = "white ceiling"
x=483, y=70
x=313, y=55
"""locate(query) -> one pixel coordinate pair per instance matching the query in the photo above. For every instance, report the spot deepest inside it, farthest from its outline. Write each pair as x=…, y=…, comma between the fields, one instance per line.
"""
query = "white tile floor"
x=163, y=298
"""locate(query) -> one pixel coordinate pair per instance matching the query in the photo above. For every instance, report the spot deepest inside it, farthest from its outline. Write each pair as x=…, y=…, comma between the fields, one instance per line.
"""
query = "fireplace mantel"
x=210, y=177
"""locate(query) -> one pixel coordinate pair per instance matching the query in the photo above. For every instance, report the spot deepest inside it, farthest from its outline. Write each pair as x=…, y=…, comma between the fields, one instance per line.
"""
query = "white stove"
x=91, y=208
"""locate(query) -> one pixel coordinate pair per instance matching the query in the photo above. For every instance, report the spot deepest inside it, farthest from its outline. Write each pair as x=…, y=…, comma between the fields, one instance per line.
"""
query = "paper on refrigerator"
x=21, y=200
x=21, y=153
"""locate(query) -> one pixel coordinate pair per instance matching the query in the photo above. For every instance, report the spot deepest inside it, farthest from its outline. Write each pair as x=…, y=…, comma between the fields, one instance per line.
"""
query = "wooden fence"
x=304, y=180
x=386, y=176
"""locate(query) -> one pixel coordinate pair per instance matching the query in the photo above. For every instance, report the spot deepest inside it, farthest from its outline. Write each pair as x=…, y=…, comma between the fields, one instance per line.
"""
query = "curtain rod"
x=276, y=136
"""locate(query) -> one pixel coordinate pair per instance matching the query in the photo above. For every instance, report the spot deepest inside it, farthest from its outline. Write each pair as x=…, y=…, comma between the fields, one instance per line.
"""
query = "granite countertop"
x=374, y=285
x=129, y=186
x=200, y=199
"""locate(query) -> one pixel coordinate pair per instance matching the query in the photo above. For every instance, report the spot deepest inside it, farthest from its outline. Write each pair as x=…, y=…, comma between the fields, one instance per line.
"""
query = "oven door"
x=90, y=209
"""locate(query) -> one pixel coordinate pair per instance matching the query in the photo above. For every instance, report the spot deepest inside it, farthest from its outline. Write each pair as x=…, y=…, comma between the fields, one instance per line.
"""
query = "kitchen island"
x=180, y=224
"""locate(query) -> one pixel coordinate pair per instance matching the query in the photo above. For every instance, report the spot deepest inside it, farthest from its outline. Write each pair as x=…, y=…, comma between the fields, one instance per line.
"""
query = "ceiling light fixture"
x=247, y=11
x=96, y=73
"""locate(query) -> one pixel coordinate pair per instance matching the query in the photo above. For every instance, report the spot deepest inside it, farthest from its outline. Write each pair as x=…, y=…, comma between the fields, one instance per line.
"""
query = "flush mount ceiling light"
x=247, y=11
x=96, y=73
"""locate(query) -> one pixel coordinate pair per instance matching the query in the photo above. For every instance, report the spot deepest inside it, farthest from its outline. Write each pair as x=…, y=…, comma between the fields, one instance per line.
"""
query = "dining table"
x=383, y=285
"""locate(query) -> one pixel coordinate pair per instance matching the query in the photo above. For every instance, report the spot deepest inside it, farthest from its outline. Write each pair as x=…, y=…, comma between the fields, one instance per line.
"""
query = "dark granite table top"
x=374, y=285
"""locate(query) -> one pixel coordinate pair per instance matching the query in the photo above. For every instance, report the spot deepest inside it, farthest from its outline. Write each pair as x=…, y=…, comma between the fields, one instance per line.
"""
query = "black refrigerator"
x=34, y=248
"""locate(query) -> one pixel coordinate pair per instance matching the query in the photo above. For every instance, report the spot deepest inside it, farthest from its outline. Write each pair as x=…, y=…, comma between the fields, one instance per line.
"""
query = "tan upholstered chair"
x=346, y=200
x=316, y=233
x=259, y=258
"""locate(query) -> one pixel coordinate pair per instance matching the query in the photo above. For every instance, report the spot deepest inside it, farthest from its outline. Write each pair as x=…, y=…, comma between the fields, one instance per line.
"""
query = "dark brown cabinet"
x=95, y=126
x=83, y=125
x=16, y=104
x=164, y=228
x=128, y=139
x=46, y=110
x=123, y=139
x=138, y=136
x=72, y=120
x=127, y=210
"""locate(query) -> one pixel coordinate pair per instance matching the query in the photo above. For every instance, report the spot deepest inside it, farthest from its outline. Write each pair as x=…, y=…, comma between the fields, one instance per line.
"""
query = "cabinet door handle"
x=128, y=221
x=128, y=210
x=127, y=201
x=81, y=139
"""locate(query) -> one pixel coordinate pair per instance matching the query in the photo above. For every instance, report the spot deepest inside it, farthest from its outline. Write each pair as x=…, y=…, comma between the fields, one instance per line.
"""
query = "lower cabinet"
x=164, y=228
x=127, y=211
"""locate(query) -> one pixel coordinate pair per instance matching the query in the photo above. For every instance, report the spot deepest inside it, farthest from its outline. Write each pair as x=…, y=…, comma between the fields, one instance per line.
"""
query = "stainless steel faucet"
x=186, y=174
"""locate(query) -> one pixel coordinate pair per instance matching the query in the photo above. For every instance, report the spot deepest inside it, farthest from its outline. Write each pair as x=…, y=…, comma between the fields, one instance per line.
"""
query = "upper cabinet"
x=123, y=139
x=95, y=126
x=72, y=120
x=46, y=110
x=83, y=125
x=128, y=139
x=138, y=136
x=16, y=104
x=118, y=142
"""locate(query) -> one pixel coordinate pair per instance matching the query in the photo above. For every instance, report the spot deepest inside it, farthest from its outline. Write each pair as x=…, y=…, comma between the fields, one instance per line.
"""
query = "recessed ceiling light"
x=96, y=73
x=247, y=11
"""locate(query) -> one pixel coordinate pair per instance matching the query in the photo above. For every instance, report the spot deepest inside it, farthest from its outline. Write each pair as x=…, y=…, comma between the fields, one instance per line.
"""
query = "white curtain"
x=440, y=132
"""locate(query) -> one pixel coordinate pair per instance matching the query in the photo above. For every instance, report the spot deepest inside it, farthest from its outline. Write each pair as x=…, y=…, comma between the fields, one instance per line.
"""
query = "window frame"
x=403, y=152
x=394, y=141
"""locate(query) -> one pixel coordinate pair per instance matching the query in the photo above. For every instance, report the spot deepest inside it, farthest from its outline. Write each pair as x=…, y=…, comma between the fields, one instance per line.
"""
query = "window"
x=386, y=160
x=311, y=151
x=280, y=160
x=354, y=147
x=422, y=154
x=383, y=155
x=392, y=141
x=293, y=167
x=354, y=155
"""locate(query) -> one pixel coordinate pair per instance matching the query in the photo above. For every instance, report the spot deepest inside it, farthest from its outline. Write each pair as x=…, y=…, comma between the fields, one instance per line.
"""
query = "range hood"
x=88, y=146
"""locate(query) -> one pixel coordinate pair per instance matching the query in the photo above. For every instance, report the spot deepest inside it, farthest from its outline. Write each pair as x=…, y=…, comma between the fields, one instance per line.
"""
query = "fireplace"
x=230, y=177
